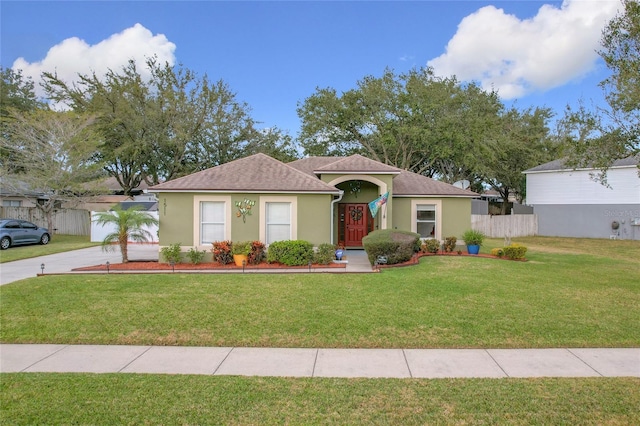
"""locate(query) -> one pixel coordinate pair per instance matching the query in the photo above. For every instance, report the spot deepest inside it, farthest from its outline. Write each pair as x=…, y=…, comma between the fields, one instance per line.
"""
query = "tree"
x=522, y=141
x=49, y=152
x=169, y=125
x=597, y=138
x=414, y=121
x=128, y=225
x=17, y=93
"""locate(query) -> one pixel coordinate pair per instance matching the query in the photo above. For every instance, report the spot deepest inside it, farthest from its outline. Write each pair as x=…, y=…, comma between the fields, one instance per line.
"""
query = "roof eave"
x=353, y=172
x=435, y=195
x=242, y=191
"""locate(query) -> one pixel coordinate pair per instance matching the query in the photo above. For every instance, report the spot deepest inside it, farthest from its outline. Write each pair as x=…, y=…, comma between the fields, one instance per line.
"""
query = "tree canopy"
x=50, y=152
x=433, y=126
x=596, y=138
x=167, y=126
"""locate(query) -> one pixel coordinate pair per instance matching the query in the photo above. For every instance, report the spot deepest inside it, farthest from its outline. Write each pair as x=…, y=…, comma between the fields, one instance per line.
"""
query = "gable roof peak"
x=357, y=163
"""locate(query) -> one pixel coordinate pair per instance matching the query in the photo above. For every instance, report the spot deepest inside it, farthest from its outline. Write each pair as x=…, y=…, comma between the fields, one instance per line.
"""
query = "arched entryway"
x=353, y=219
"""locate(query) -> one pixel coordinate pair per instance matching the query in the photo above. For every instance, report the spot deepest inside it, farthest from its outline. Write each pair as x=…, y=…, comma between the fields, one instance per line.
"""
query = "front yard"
x=553, y=300
x=570, y=293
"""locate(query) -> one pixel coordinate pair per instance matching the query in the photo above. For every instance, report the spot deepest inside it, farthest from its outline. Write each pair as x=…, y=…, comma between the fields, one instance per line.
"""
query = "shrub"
x=450, y=244
x=222, y=252
x=290, y=253
x=241, y=247
x=499, y=252
x=515, y=251
x=396, y=246
x=195, y=255
x=171, y=253
x=257, y=253
x=430, y=246
x=325, y=254
x=471, y=237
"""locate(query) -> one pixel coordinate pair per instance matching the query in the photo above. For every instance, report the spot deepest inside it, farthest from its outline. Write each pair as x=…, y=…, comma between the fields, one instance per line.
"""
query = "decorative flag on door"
x=376, y=204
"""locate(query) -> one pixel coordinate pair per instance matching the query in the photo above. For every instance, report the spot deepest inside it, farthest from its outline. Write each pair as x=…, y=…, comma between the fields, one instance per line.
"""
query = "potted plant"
x=240, y=251
x=473, y=239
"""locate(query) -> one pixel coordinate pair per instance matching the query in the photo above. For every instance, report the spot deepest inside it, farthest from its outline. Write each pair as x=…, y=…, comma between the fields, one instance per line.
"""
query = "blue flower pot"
x=473, y=249
x=339, y=254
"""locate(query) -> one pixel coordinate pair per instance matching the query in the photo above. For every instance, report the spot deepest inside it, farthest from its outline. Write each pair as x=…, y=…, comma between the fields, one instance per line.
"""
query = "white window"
x=278, y=222
x=11, y=203
x=426, y=220
x=212, y=221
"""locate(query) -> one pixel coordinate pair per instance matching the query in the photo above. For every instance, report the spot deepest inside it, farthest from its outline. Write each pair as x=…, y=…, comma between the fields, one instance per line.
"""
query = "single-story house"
x=317, y=199
x=570, y=203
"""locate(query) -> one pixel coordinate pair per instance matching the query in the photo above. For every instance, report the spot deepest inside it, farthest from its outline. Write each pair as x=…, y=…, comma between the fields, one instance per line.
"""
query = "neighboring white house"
x=570, y=203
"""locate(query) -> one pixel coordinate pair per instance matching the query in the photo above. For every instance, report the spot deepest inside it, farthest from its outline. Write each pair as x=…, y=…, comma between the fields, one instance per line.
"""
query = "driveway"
x=65, y=262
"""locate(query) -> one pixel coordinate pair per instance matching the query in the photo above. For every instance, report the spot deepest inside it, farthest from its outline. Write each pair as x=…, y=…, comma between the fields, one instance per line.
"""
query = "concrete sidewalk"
x=383, y=363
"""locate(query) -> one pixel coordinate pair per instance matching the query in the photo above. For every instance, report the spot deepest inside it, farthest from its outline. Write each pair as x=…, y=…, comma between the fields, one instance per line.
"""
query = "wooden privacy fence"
x=65, y=221
x=515, y=225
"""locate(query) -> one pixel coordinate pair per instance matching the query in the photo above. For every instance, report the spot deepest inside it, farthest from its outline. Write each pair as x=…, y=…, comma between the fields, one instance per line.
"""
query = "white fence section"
x=515, y=225
x=65, y=221
x=99, y=232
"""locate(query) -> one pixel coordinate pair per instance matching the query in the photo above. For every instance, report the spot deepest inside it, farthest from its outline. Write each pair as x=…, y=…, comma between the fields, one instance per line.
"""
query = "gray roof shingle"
x=261, y=173
x=409, y=183
x=558, y=165
x=356, y=163
x=256, y=173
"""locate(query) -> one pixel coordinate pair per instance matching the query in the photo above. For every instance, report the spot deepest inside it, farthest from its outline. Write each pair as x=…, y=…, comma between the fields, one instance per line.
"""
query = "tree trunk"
x=124, y=250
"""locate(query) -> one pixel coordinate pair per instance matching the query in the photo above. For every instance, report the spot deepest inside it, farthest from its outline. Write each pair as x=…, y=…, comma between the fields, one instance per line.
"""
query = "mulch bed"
x=152, y=265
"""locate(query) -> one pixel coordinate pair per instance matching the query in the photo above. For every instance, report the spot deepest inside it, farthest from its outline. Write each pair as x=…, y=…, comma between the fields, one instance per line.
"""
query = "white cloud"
x=517, y=57
x=74, y=56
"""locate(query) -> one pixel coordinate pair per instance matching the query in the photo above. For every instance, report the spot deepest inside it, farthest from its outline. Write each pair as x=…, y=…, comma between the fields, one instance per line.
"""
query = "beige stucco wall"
x=454, y=214
x=178, y=217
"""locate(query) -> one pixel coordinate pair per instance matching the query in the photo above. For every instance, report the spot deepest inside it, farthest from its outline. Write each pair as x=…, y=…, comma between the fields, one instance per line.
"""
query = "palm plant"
x=129, y=225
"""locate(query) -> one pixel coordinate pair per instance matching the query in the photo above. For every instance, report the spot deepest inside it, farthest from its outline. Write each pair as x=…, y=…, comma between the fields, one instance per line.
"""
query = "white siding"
x=577, y=187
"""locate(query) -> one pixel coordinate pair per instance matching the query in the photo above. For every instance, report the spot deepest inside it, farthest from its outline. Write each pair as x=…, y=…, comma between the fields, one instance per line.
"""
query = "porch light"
x=108, y=264
x=173, y=266
x=42, y=268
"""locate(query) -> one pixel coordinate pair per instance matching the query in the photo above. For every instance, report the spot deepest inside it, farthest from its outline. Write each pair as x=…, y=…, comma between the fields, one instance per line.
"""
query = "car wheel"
x=44, y=239
x=5, y=243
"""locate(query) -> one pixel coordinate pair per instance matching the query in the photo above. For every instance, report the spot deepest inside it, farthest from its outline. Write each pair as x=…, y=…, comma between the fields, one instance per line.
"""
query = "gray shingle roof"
x=408, y=183
x=356, y=163
x=256, y=173
x=261, y=173
x=309, y=164
x=557, y=165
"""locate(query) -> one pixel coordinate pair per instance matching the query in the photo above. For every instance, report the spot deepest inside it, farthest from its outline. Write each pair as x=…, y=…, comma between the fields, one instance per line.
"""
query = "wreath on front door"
x=356, y=215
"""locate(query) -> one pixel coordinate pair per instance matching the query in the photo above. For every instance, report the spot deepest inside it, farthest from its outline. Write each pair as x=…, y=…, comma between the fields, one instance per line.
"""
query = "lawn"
x=59, y=243
x=588, y=298
x=570, y=293
x=156, y=399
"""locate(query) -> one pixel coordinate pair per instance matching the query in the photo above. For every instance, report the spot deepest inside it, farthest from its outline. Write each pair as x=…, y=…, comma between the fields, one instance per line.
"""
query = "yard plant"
x=129, y=224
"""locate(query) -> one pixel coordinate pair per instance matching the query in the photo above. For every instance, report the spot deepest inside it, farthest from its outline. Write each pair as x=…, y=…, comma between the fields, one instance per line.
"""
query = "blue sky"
x=274, y=54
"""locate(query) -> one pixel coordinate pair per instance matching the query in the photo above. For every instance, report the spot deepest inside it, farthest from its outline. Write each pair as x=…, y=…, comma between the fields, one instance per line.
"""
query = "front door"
x=356, y=223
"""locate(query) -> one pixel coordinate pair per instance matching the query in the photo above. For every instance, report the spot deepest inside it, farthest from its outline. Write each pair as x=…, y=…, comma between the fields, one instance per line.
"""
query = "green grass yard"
x=27, y=399
x=553, y=300
x=570, y=293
